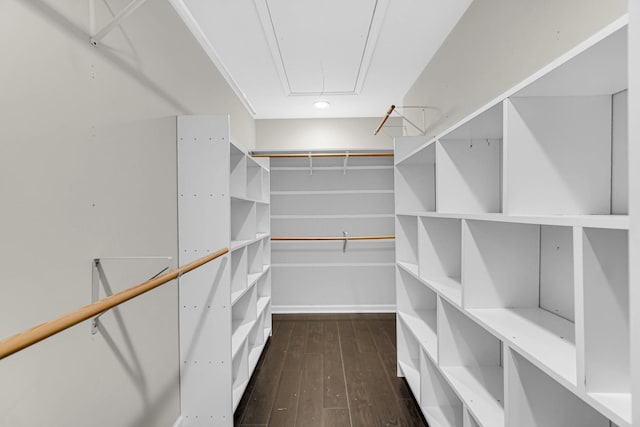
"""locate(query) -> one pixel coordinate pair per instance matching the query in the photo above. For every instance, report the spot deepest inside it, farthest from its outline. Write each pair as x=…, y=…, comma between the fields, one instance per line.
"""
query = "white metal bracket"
x=346, y=239
x=310, y=163
x=98, y=276
x=346, y=162
x=422, y=129
x=97, y=37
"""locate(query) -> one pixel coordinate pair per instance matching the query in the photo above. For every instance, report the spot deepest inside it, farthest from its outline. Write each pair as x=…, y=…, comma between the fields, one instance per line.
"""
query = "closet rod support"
x=128, y=10
x=393, y=109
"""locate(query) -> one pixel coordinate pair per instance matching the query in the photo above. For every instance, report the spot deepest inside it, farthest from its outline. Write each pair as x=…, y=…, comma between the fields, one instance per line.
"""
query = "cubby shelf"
x=481, y=390
x=251, y=281
x=543, y=337
x=423, y=329
x=440, y=404
x=447, y=288
x=516, y=221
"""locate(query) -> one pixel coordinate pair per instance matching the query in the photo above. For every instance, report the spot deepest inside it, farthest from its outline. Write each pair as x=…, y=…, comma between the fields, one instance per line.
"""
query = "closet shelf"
x=239, y=244
x=254, y=356
x=445, y=416
x=329, y=168
x=239, y=336
x=248, y=199
x=408, y=159
x=616, y=406
x=412, y=375
x=592, y=221
x=252, y=279
x=447, y=287
x=237, y=393
x=547, y=340
x=333, y=264
x=481, y=390
x=262, y=304
x=338, y=216
x=327, y=192
x=423, y=329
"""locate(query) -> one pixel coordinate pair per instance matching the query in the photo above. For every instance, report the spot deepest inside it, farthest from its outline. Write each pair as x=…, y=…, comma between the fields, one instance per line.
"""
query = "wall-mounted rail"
x=40, y=332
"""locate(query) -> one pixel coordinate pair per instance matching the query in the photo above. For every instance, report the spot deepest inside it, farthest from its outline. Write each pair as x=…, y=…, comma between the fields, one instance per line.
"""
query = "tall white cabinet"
x=512, y=257
x=225, y=306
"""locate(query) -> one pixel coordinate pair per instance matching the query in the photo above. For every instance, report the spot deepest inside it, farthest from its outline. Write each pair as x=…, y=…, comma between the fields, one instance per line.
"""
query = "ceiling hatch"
x=321, y=47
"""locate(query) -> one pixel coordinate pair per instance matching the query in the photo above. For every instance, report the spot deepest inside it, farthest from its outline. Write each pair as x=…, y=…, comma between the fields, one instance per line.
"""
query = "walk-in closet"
x=279, y=213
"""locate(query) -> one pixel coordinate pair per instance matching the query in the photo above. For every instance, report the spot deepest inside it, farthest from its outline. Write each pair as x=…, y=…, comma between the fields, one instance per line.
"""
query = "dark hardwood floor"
x=329, y=370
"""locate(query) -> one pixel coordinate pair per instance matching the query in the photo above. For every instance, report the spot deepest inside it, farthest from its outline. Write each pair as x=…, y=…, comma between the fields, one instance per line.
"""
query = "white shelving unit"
x=512, y=252
x=250, y=262
x=324, y=197
x=225, y=306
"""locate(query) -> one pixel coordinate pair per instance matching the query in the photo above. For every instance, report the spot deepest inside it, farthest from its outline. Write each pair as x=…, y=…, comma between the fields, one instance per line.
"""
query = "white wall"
x=88, y=169
x=325, y=134
x=496, y=44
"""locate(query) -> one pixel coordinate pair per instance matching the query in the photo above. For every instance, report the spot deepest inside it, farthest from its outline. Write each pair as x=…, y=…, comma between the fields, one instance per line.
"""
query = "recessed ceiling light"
x=321, y=104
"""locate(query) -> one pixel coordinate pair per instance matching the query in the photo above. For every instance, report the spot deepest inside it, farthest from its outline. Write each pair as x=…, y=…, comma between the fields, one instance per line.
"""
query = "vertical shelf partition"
x=512, y=236
x=225, y=310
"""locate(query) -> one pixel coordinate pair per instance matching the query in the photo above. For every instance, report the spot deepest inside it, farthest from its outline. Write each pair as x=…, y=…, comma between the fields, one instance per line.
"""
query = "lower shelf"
x=481, y=389
x=617, y=405
x=412, y=375
x=423, y=329
x=443, y=416
x=254, y=356
x=543, y=336
x=239, y=336
x=449, y=288
x=238, y=391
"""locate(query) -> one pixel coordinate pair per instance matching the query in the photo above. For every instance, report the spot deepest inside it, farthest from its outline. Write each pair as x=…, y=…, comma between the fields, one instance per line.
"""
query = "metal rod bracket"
x=96, y=38
x=346, y=162
x=97, y=273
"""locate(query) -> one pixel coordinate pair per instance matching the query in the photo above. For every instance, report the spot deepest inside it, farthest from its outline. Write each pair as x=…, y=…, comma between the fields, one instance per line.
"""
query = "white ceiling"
x=359, y=55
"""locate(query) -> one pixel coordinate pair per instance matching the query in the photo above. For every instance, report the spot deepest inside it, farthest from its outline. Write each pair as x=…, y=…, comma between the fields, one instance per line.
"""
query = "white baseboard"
x=298, y=309
x=178, y=421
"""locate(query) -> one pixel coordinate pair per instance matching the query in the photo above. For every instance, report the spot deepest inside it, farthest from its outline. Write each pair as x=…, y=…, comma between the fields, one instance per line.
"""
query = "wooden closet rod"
x=384, y=119
x=38, y=333
x=306, y=155
x=311, y=238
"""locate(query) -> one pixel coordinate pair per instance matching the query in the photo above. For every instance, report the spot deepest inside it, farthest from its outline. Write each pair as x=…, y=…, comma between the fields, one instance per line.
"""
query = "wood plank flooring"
x=329, y=370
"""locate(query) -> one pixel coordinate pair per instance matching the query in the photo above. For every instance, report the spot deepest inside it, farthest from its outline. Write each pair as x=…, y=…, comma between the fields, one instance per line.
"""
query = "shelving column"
x=250, y=247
